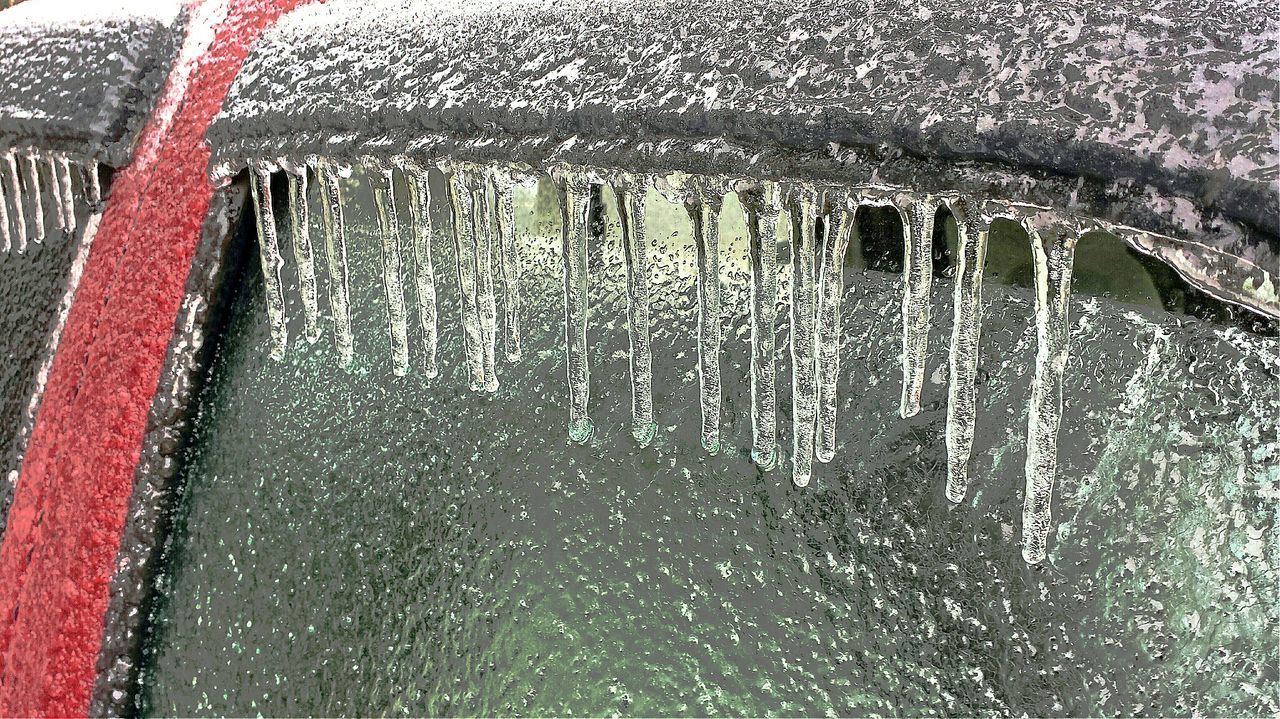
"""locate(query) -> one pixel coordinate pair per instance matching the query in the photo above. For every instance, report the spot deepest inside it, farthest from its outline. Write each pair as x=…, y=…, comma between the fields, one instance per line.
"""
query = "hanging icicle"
x=31, y=165
x=486, y=222
x=425, y=277
x=464, y=259
x=269, y=252
x=966, y=331
x=575, y=195
x=629, y=192
x=300, y=224
x=835, y=241
x=55, y=193
x=66, y=195
x=761, y=207
x=334, y=226
x=16, y=211
x=1053, y=243
x=389, y=232
x=804, y=214
x=509, y=262
x=917, y=215
x=92, y=184
x=703, y=203
x=6, y=240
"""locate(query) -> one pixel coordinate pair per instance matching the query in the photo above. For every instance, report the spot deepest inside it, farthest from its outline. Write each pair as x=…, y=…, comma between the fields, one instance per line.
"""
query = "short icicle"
x=6, y=239
x=92, y=184
x=460, y=199
x=509, y=263
x=629, y=193
x=803, y=210
x=269, y=252
x=703, y=205
x=303, y=255
x=1053, y=243
x=835, y=240
x=917, y=215
x=67, y=196
x=334, y=225
x=55, y=193
x=16, y=210
x=389, y=231
x=425, y=276
x=31, y=165
x=575, y=196
x=762, y=207
x=966, y=331
x=486, y=223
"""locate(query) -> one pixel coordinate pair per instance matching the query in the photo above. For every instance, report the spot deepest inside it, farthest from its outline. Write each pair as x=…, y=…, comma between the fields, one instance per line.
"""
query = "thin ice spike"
x=630, y=197
x=510, y=264
x=389, y=232
x=269, y=252
x=6, y=239
x=300, y=224
x=55, y=193
x=803, y=310
x=704, y=211
x=761, y=209
x=1053, y=246
x=835, y=241
x=965, y=336
x=92, y=184
x=425, y=277
x=67, y=196
x=487, y=302
x=31, y=165
x=917, y=277
x=575, y=196
x=334, y=226
x=16, y=210
x=465, y=263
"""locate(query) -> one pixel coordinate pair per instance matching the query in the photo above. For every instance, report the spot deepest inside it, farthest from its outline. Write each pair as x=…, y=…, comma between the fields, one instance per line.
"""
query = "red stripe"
x=64, y=526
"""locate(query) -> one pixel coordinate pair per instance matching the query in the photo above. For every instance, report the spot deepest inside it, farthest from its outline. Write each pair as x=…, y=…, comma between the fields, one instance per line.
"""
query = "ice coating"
x=703, y=207
x=425, y=275
x=300, y=226
x=464, y=245
x=334, y=226
x=917, y=279
x=629, y=193
x=574, y=191
x=804, y=302
x=1053, y=245
x=392, y=283
x=269, y=252
x=761, y=207
x=966, y=329
x=31, y=164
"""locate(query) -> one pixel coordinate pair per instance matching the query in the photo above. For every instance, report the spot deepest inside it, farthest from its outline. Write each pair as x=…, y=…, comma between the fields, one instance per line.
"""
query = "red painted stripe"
x=64, y=526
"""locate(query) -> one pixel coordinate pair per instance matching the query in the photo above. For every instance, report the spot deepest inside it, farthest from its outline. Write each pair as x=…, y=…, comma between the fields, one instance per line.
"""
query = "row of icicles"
x=480, y=205
x=26, y=176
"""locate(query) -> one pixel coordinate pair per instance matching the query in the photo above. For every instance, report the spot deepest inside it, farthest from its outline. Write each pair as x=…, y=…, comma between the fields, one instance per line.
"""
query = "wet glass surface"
x=357, y=543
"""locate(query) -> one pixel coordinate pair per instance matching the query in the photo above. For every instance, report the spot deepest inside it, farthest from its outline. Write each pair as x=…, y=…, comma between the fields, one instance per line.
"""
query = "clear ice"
x=703, y=205
x=389, y=232
x=575, y=196
x=965, y=336
x=300, y=223
x=269, y=252
x=485, y=224
x=425, y=278
x=917, y=276
x=761, y=207
x=804, y=215
x=629, y=193
x=334, y=225
x=837, y=228
x=509, y=263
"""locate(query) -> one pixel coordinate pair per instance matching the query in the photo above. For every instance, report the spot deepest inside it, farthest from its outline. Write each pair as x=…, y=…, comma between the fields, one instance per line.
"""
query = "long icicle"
x=269, y=252
x=917, y=277
x=32, y=167
x=55, y=193
x=803, y=308
x=835, y=241
x=425, y=277
x=703, y=206
x=575, y=196
x=303, y=255
x=761, y=209
x=67, y=197
x=464, y=259
x=485, y=225
x=965, y=335
x=630, y=196
x=335, y=246
x=509, y=261
x=1053, y=245
x=389, y=231
x=17, y=213
x=6, y=239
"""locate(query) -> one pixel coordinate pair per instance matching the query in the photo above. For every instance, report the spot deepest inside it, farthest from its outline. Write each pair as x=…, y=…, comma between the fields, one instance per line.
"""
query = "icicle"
x=464, y=255
x=1053, y=244
x=834, y=243
x=37, y=198
x=389, y=231
x=803, y=308
x=55, y=193
x=335, y=247
x=703, y=205
x=761, y=208
x=269, y=251
x=485, y=224
x=66, y=196
x=15, y=209
x=575, y=195
x=965, y=333
x=92, y=184
x=917, y=276
x=504, y=186
x=630, y=195
x=420, y=221
x=300, y=222
x=6, y=240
